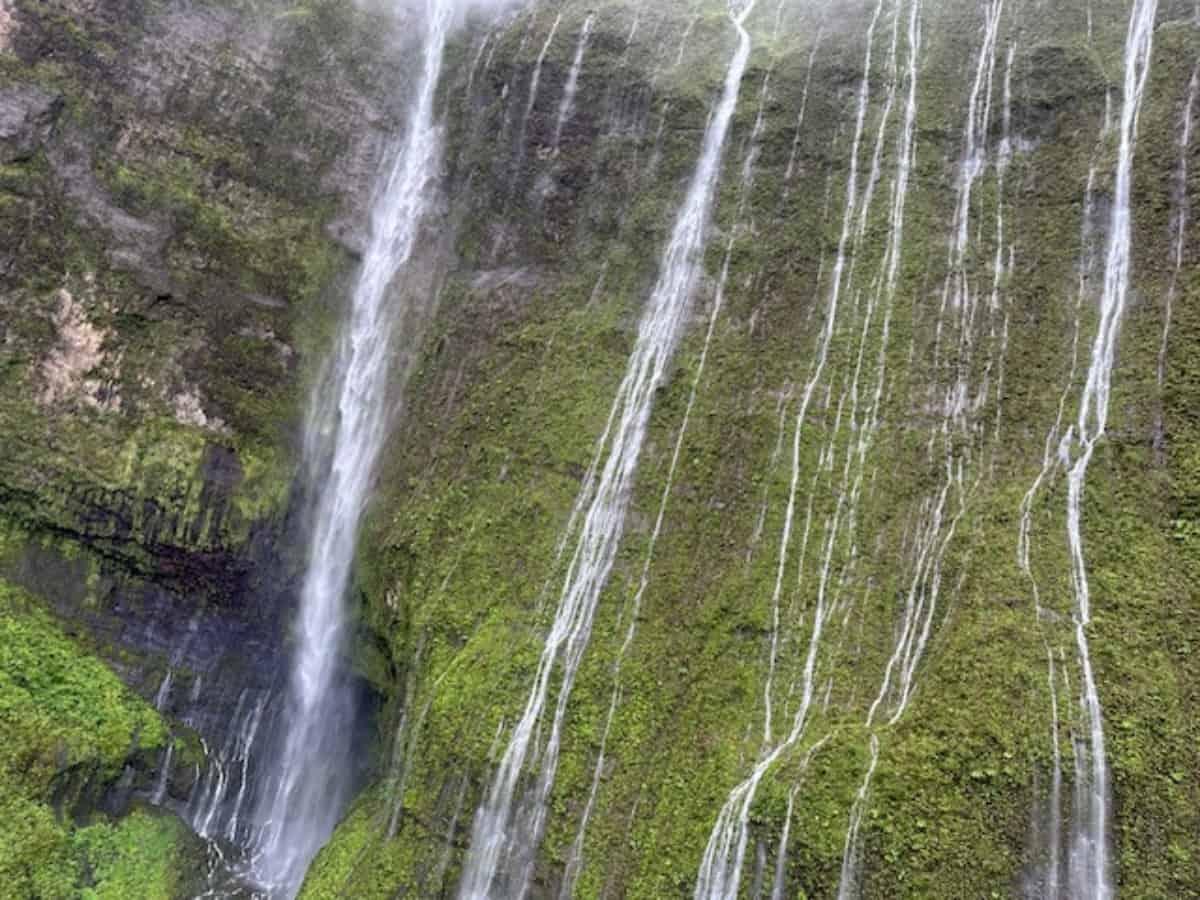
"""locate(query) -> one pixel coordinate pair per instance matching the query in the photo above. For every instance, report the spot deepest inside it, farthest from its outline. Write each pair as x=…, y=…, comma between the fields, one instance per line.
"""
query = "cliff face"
x=849, y=543
x=181, y=194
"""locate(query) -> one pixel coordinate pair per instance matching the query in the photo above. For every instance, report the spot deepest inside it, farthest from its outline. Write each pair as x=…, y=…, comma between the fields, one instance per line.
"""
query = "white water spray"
x=308, y=786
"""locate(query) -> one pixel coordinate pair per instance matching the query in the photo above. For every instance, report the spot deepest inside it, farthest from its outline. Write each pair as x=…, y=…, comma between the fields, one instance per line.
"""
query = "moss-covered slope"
x=185, y=179
x=557, y=250
x=75, y=742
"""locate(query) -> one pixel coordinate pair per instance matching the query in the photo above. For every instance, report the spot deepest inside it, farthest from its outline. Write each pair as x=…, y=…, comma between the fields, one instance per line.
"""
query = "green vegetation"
x=458, y=567
x=70, y=727
x=62, y=709
x=549, y=254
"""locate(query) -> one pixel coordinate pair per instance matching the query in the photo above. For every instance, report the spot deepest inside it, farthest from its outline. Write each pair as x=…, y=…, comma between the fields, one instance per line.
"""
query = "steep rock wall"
x=557, y=250
x=202, y=166
x=183, y=189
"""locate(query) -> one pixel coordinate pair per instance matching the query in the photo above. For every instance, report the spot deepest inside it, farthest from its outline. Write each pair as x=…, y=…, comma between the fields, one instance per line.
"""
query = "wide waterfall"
x=307, y=788
x=503, y=843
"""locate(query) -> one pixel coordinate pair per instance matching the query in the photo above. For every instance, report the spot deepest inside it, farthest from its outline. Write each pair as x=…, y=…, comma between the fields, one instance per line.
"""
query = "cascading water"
x=1089, y=865
x=228, y=777
x=500, y=860
x=307, y=787
x=943, y=509
x=1179, y=223
x=842, y=522
x=535, y=81
x=1045, y=879
x=567, y=105
x=812, y=59
x=575, y=858
x=720, y=872
x=961, y=403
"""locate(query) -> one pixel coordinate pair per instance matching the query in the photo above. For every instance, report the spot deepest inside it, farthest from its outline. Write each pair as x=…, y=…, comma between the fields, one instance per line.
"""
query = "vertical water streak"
x=956, y=430
x=1089, y=854
x=164, y=690
x=848, y=881
x=535, y=81
x=812, y=59
x=164, y=775
x=575, y=856
x=905, y=155
x=719, y=875
x=483, y=45
x=215, y=807
x=1054, y=844
x=633, y=29
x=502, y=848
x=780, y=884
x=1000, y=267
x=1179, y=225
x=567, y=105
x=683, y=40
x=825, y=340
x=1047, y=883
x=780, y=879
x=941, y=513
x=781, y=409
x=309, y=782
x=509, y=88
x=957, y=292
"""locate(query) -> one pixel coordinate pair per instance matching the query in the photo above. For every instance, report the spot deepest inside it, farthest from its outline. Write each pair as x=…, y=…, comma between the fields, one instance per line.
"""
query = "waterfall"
x=567, y=105
x=848, y=881
x=1179, y=224
x=865, y=317
x=575, y=855
x=1089, y=866
x=307, y=786
x=1045, y=881
x=683, y=40
x=164, y=690
x=164, y=773
x=535, y=80
x=209, y=808
x=500, y=859
x=799, y=132
x=719, y=875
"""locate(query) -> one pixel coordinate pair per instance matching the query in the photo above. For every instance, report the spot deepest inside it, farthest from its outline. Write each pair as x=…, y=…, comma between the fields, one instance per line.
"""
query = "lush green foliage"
x=69, y=728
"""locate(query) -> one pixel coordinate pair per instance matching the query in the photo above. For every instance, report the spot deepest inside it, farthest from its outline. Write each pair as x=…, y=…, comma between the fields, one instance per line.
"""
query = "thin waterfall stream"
x=719, y=875
x=1090, y=868
x=503, y=844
